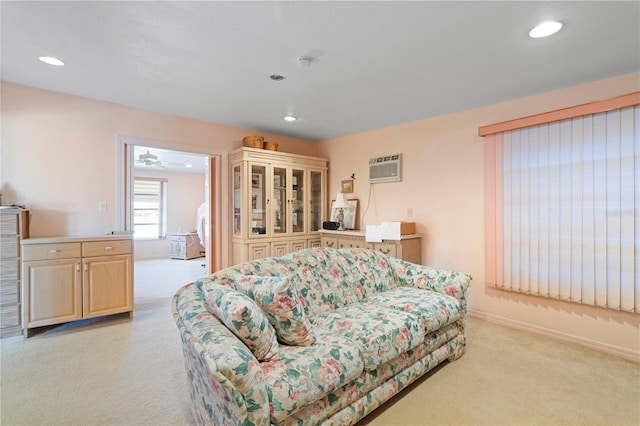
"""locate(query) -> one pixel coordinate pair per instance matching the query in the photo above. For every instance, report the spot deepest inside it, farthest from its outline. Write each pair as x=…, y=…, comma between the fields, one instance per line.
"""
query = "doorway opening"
x=189, y=206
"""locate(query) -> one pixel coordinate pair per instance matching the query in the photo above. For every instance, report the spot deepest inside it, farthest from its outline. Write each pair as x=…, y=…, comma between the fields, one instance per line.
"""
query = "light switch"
x=102, y=207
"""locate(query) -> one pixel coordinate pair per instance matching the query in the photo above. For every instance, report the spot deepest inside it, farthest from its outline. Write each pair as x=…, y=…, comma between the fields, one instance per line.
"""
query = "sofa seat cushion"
x=382, y=333
x=435, y=309
x=303, y=375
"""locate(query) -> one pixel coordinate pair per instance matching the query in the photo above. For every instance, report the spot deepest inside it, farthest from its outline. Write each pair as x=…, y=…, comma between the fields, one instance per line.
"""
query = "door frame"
x=217, y=246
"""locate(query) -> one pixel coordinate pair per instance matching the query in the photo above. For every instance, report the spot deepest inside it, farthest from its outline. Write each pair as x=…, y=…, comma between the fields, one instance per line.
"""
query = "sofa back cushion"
x=244, y=318
x=329, y=279
x=369, y=269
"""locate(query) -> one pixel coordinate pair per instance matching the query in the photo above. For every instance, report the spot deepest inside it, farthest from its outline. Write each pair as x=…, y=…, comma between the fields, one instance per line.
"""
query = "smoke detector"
x=304, y=62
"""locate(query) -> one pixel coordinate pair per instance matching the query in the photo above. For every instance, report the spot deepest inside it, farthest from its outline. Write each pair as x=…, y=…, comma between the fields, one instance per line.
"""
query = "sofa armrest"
x=454, y=284
x=226, y=382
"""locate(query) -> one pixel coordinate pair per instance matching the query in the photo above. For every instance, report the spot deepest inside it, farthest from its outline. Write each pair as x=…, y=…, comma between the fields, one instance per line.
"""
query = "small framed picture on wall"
x=347, y=186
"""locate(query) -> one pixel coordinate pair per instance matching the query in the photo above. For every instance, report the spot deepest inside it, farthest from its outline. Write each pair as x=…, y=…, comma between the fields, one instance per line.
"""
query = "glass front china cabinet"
x=279, y=202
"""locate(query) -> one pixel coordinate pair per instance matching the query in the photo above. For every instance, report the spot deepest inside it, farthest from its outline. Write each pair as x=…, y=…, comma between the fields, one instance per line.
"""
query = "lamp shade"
x=341, y=201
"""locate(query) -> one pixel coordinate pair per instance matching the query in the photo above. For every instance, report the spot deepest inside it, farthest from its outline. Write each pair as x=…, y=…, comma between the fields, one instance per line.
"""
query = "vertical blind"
x=567, y=206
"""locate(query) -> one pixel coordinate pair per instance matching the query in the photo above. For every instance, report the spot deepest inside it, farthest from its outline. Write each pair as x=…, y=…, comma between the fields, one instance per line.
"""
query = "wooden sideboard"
x=408, y=247
x=71, y=278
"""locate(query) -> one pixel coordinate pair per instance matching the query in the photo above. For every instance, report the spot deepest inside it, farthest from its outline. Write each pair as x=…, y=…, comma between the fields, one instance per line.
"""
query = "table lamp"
x=341, y=204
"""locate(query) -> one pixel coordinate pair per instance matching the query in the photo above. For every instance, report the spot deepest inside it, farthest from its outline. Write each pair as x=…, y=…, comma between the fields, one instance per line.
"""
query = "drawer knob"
x=108, y=248
x=54, y=251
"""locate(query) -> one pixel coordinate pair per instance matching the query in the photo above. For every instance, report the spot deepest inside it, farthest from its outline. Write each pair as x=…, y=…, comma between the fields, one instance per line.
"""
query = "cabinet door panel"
x=279, y=219
x=315, y=243
x=259, y=200
x=280, y=248
x=316, y=199
x=298, y=245
x=257, y=251
x=53, y=292
x=297, y=203
x=107, y=286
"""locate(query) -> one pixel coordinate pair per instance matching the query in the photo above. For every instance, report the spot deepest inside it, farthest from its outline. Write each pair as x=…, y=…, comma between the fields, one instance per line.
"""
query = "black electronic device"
x=331, y=226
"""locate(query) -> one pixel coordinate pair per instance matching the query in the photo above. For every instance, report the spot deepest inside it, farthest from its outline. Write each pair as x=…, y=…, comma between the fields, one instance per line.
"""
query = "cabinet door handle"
x=86, y=268
x=330, y=244
x=383, y=251
x=77, y=267
x=54, y=251
x=108, y=248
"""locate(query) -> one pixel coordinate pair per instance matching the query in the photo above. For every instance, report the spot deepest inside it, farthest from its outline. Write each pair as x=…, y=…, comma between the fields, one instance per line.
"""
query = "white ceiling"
x=168, y=160
x=374, y=64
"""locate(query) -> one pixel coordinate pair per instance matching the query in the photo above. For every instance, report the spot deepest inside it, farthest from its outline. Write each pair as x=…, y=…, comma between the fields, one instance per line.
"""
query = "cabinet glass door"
x=297, y=201
x=279, y=204
x=237, y=206
x=258, y=200
x=315, y=203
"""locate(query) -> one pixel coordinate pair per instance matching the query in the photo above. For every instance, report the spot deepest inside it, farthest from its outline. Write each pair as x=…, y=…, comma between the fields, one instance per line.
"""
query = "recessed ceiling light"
x=290, y=118
x=51, y=61
x=545, y=29
x=277, y=77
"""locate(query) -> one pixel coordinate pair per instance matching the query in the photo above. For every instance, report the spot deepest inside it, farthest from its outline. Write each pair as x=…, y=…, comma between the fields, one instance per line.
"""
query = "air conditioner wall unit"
x=385, y=168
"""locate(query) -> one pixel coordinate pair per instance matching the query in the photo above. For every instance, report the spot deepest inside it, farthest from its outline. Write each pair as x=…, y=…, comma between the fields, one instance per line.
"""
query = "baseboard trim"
x=625, y=353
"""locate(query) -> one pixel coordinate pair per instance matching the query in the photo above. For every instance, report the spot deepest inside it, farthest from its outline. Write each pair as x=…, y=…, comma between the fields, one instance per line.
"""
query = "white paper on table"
x=372, y=234
x=390, y=230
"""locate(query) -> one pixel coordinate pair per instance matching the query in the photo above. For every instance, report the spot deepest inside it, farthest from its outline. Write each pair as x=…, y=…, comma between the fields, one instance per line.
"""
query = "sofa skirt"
x=349, y=404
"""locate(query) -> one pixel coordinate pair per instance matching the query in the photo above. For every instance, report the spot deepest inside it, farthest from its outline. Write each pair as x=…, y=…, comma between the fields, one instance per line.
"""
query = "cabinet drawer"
x=388, y=249
x=9, y=224
x=106, y=248
x=354, y=243
x=50, y=251
x=10, y=246
x=329, y=242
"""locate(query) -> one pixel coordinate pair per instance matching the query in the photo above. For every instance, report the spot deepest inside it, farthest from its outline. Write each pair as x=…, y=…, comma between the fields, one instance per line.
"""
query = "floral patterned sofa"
x=317, y=336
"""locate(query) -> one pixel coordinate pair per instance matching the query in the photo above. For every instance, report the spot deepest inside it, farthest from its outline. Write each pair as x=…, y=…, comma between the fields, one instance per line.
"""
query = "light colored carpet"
x=121, y=372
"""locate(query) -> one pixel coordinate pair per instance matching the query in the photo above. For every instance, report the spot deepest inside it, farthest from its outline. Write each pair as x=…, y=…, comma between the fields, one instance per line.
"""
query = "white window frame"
x=162, y=209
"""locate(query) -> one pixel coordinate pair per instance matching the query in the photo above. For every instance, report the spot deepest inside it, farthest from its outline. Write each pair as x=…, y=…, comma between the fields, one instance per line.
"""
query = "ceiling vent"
x=385, y=168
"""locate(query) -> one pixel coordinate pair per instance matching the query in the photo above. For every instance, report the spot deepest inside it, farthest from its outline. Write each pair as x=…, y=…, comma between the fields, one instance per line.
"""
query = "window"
x=562, y=210
x=149, y=210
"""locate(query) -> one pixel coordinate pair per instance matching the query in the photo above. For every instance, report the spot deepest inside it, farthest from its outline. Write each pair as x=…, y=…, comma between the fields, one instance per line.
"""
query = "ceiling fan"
x=152, y=160
x=148, y=159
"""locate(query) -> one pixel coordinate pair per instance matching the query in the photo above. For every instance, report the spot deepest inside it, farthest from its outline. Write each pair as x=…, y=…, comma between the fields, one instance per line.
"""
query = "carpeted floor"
x=121, y=372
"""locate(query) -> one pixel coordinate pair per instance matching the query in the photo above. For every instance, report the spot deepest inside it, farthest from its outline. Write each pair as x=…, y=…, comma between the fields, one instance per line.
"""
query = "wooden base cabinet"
x=68, y=279
x=408, y=247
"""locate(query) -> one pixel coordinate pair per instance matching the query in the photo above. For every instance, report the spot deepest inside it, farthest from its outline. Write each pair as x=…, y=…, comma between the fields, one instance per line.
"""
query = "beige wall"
x=59, y=158
x=58, y=154
x=442, y=181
